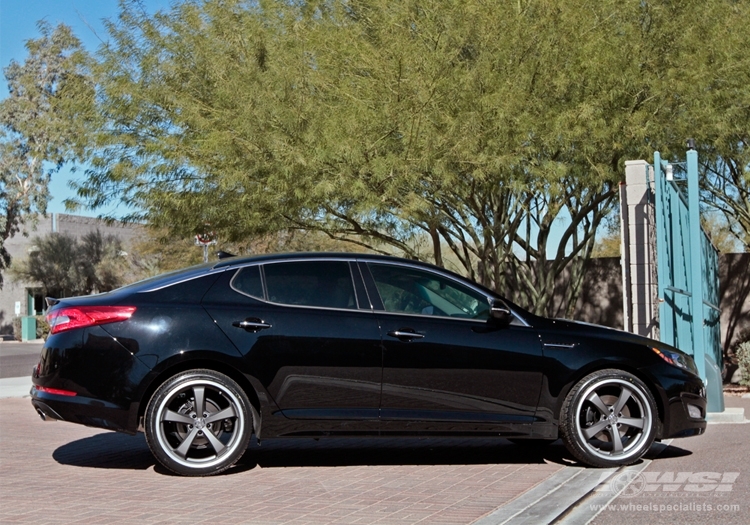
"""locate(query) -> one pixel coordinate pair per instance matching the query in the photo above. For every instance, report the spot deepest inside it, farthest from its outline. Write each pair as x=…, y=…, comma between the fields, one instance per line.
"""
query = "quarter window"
x=311, y=283
x=247, y=281
x=411, y=291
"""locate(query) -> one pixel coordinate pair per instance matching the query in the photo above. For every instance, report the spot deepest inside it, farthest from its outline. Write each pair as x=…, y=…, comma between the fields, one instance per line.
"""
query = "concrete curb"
x=591, y=505
x=571, y=496
x=15, y=387
x=540, y=504
x=730, y=415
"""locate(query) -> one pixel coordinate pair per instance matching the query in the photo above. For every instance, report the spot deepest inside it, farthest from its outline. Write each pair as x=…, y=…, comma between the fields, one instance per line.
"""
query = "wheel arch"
x=625, y=367
x=207, y=363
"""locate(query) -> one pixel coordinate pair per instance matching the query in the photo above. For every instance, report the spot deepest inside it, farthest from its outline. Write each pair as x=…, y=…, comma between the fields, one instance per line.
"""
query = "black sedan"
x=351, y=345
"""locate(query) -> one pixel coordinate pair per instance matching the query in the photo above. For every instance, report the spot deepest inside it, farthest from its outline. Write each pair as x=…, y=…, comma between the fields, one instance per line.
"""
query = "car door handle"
x=405, y=335
x=252, y=324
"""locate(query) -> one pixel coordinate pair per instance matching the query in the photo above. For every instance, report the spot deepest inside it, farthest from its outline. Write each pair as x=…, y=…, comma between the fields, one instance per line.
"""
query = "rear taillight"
x=70, y=317
x=56, y=391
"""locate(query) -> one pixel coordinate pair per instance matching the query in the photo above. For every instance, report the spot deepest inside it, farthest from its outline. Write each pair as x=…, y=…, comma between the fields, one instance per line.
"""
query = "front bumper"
x=686, y=416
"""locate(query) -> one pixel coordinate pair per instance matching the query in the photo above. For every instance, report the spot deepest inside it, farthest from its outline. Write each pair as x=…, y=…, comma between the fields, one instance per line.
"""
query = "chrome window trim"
x=311, y=259
x=262, y=281
x=354, y=258
x=180, y=281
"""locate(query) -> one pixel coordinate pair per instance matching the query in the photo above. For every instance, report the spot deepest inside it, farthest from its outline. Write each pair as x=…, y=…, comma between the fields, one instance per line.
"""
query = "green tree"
x=458, y=132
x=41, y=122
x=65, y=266
x=712, y=89
x=719, y=231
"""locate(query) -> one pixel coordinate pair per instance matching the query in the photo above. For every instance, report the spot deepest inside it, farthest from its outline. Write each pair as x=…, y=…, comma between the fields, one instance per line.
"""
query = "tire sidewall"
x=569, y=426
x=167, y=390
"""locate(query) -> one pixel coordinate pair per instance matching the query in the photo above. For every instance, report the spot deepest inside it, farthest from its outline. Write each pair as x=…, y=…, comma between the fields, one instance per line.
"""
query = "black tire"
x=194, y=440
x=608, y=419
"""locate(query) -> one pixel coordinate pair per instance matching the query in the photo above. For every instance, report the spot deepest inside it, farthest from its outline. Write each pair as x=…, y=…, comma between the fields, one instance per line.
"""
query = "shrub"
x=743, y=360
x=42, y=328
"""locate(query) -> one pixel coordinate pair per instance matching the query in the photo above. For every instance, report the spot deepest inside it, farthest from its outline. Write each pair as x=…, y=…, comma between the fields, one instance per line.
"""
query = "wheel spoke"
x=218, y=416
x=182, y=450
x=594, y=429
x=595, y=400
x=624, y=396
x=217, y=445
x=176, y=417
x=616, y=440
x=635, y=422
x=200, y=400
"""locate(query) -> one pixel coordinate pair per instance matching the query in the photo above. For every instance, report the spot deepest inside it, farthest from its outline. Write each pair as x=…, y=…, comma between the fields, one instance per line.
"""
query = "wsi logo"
x=629, y=484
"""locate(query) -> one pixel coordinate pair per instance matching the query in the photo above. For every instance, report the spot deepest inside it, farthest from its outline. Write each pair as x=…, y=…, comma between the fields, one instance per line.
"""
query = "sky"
x=18, y=23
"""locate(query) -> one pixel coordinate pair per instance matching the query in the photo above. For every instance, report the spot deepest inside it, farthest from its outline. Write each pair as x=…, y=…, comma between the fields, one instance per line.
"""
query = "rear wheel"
x=198, y=423
x=608, y=419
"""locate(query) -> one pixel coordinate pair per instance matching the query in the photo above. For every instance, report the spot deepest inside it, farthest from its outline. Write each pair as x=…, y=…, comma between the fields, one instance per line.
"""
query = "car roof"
x=242, y=261
x=193, y=272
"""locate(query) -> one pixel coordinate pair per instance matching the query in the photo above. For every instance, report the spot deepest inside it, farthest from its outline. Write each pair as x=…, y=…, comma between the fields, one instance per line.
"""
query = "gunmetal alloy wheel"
x=608, y=419
x=198, y=423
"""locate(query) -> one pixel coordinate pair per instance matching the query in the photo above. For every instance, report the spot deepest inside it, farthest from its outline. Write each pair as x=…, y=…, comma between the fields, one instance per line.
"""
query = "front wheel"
x=198, y=423
x=608, y=419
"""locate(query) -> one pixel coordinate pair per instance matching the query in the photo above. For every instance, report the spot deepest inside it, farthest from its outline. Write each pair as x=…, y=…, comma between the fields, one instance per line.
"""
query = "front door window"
x=407, y=290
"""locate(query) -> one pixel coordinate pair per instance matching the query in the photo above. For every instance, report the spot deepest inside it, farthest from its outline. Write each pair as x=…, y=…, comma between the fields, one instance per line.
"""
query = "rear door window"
x=325, y=284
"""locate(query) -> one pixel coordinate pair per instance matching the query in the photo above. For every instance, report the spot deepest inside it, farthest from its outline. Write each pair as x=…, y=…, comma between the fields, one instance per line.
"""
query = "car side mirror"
x=500, y=313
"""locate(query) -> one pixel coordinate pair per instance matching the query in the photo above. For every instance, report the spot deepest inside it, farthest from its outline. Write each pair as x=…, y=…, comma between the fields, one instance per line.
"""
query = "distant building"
x=23, y=298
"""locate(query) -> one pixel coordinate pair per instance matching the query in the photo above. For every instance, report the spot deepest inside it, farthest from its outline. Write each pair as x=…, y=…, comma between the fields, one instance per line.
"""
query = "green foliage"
x=743, y=359
x=42, y=328
x=42, y=125
x=713, y=87
x=64, y=266
x=721, y=233
x=608, y=245
x=158, y=252
x=458, y=132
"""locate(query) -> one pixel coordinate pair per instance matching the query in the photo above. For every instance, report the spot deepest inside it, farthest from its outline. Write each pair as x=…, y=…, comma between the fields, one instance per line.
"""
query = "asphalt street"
x=684, y=484
x=16, y=359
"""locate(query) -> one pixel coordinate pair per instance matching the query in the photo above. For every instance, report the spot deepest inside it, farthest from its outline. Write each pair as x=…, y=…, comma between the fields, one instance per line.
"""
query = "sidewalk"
x=112, y=478
x=94, y=476
x=15, y=386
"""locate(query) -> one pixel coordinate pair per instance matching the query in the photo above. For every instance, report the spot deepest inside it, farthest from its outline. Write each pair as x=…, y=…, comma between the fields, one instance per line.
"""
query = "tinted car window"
x=411, y=291
x=186, y=292
x=311, y=283
x=247, y=281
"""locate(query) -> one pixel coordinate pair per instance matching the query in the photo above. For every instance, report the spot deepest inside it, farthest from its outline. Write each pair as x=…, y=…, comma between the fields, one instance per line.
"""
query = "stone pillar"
x=638, y=226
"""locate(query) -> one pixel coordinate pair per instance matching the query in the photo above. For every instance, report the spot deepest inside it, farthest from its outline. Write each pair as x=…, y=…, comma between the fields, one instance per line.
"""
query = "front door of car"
x=303, y=334
x=445, y=368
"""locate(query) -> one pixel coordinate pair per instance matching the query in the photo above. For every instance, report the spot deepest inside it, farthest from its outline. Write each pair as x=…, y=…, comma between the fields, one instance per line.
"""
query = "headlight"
x=677, y=359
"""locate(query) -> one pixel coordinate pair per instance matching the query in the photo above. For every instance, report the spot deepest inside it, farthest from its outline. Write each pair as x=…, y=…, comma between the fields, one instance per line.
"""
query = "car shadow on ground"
x=111, y=450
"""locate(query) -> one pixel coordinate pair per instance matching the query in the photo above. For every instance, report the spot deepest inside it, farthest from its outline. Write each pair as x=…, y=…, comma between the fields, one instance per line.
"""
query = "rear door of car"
x=307, y=332
x=445, y=368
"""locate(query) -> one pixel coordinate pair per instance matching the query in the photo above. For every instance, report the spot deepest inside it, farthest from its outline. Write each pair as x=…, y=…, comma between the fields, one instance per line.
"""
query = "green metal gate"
x=688, y=276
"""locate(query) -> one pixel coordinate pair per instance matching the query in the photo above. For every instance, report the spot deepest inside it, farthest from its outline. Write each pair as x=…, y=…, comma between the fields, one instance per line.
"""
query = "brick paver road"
x=62, y=473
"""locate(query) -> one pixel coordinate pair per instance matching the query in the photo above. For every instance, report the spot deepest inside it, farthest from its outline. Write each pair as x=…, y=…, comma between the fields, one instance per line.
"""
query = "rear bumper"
x=99, y=375
x=81, y=410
